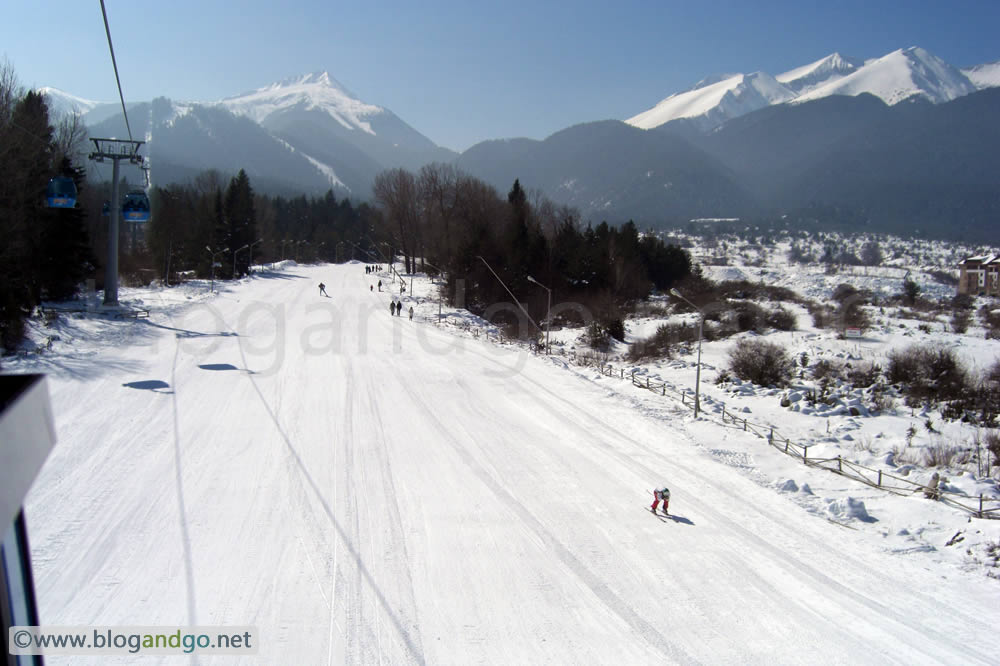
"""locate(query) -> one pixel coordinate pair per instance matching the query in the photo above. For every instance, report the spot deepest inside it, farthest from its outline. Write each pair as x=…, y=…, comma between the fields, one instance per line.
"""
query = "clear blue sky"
x=462, y=71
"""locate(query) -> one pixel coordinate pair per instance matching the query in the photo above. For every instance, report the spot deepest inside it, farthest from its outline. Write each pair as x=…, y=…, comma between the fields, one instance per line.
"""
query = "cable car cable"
x=111, y=46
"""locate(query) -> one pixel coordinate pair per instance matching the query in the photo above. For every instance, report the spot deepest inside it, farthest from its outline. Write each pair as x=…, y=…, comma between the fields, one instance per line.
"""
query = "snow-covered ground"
x=368, y=489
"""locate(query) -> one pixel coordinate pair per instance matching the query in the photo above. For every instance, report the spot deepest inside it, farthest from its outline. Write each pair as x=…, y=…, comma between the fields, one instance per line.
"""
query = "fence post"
x=664, y=389
x=840, y=468
x=623, y=373
x=805, y=454
x=683, y=398
x=744, y=425
x=723, y=413
x=880, y=478
x=786, y=446
x=647, y=381
x=771, y=438
x=980, y=514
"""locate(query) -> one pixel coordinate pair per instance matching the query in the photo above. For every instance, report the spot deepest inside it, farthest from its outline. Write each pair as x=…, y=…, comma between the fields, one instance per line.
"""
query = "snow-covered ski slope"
x=370, y=489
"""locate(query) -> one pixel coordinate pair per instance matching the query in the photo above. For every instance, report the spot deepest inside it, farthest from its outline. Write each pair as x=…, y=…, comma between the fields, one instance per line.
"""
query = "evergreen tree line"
x=45, y=252
x=195, y=222
x=442, y=220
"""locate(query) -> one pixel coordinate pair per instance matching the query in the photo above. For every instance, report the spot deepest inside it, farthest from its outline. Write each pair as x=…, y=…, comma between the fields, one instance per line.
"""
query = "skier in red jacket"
x=661, y=494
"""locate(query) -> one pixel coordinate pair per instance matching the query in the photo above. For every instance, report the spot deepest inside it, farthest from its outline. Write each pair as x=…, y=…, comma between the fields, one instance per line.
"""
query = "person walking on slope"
x=392, y=307
x=322, y=290
x=661, y=494
x=380, y=285
x=411, y=313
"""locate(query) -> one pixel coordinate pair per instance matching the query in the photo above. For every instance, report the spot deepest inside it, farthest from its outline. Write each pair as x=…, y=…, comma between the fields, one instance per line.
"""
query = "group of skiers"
x=372, y=269
x=396, y=307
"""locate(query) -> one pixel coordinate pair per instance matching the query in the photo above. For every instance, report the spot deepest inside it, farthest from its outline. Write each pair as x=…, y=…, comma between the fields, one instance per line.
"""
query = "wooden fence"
x=981, y=507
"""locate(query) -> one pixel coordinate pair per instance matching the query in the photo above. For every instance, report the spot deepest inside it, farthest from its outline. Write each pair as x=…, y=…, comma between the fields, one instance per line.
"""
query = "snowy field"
x=371, y=489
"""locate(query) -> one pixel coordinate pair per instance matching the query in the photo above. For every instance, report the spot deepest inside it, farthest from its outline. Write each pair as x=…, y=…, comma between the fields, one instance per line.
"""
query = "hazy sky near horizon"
x=461, y=72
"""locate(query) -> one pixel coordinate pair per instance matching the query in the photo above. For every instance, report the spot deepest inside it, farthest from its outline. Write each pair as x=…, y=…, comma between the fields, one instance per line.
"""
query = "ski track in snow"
x=366, y=489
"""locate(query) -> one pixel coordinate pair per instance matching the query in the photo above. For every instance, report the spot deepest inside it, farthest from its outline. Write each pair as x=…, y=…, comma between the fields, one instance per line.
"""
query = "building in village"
x=980, y=276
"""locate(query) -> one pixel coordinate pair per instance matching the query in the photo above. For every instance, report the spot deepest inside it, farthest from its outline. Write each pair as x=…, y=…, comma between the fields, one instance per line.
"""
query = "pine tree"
x=241, y=219
x=64, y=256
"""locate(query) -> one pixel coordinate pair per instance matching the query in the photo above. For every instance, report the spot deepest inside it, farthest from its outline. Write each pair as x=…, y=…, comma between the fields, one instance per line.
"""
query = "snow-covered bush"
x=760, y=362
x=929, y=374
x=782, y=319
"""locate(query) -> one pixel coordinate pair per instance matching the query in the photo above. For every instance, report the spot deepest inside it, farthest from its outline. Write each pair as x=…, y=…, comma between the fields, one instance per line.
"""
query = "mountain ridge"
x=894, y=77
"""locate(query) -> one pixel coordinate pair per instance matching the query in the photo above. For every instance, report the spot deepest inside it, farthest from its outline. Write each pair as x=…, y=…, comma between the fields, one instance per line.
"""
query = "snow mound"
x=847, y=508
x=789, y=486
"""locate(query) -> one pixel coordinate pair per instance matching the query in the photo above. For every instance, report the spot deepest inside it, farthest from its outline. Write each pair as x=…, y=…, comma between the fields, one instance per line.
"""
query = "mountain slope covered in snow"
x=900, y=75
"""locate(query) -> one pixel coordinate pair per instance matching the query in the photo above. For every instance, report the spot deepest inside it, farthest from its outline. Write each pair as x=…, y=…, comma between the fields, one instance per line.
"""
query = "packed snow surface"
x=374, y=489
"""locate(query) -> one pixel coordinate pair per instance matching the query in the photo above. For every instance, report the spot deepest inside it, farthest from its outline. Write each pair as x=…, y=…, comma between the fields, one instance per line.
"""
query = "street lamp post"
x=548, y=312
x=697, y=374
x=236, y=252
x=259, y=240
x=440, y=291
x=214, y=255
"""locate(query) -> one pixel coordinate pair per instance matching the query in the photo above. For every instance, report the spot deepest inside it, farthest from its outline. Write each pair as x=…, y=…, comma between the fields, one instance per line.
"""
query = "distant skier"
x=661, y=494
x=392, y=307
x=322, y=290
x=411, y=313
x=380, y=285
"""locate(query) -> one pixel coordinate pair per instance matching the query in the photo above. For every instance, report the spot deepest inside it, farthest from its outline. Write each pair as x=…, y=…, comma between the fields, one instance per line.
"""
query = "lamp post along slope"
x=697, y=373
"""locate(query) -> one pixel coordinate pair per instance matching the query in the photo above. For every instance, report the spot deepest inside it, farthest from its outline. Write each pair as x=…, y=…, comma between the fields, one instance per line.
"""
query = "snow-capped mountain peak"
x=318, y=90
x=902, y=74
x=986, y=75
x=825, y=70
x=62, y=103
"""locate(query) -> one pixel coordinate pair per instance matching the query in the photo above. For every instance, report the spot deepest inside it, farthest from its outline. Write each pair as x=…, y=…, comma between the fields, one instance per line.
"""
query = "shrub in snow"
x=943, y=455
x=760, y=362
x=863, y=375
x=661, y=343
x=960, y=321
x=782, y=319
x=929, y=374
x=601, y=332
x=826, y=369
x=991, y=440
